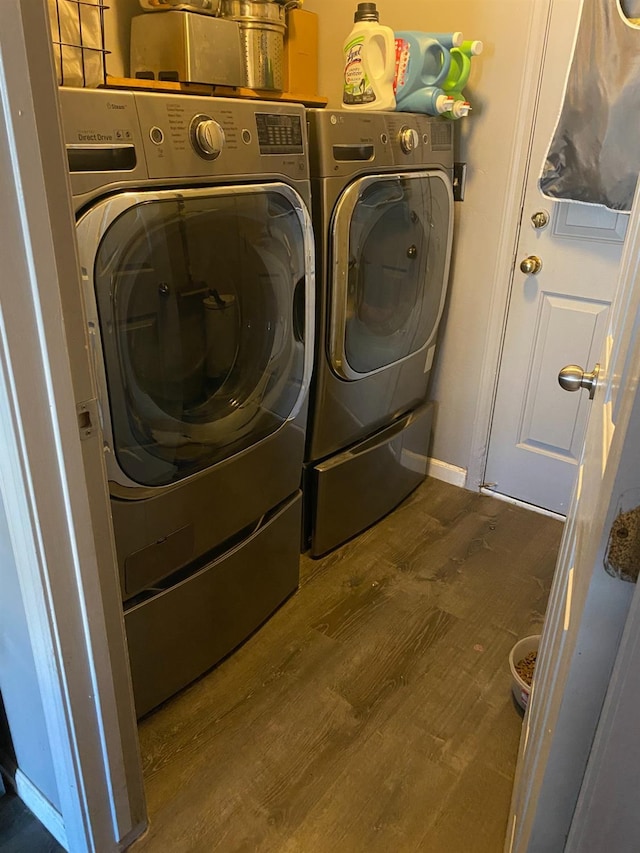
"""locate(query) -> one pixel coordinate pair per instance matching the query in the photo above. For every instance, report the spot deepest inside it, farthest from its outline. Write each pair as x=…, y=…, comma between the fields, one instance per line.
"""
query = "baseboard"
x=540, y=510
x=36, y=802
x=448, y=473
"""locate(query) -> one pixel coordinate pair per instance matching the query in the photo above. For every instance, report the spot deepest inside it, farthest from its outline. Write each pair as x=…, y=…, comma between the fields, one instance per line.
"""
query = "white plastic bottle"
x=369, y=63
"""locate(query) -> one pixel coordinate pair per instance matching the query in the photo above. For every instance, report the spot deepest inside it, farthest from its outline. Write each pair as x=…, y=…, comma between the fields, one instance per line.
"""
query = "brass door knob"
x=573, y=378
x=531, y=265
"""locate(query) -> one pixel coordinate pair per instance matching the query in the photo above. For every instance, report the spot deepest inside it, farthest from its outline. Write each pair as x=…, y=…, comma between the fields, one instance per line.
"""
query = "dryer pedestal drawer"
x=182, y=631
x=356, y=488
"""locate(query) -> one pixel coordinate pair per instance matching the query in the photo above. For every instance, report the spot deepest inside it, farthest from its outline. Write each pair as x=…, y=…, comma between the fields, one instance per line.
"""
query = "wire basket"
x=77, y=33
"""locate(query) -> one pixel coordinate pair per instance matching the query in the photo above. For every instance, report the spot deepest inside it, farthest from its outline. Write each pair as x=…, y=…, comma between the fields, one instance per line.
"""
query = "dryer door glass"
x=201, y=304
x=391, y=244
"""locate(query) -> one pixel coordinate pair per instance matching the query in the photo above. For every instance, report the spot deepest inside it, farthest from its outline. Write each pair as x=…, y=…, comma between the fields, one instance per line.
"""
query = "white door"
x=588, y=605
x=556, y=316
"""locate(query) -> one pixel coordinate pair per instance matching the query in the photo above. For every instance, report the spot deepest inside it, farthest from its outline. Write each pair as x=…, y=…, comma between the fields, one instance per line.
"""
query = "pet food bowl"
x=521, y=690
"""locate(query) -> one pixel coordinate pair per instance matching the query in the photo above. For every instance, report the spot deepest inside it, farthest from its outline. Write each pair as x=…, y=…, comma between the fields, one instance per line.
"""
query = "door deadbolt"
x=531, y=265
x=573, y=378
x=540, y=219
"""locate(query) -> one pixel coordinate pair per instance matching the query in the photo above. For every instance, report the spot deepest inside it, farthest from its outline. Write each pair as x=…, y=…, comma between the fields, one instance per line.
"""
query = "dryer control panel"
x=344, y=143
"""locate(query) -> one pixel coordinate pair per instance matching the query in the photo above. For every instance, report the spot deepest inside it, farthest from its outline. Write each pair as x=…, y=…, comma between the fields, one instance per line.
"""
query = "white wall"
x=117, y=25
x=486, y=142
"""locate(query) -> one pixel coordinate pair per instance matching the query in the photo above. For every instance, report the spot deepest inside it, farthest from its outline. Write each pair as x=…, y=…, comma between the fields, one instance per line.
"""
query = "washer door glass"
x=391, y=244
x=201, y=306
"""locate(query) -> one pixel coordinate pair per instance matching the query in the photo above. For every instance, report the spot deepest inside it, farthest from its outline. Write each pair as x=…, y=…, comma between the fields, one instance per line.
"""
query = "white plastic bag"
x=78, y=44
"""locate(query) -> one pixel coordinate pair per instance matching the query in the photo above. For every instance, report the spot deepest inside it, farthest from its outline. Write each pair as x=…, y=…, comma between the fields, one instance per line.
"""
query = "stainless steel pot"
x=209, y=7
x=258, y=10
x=262, y=26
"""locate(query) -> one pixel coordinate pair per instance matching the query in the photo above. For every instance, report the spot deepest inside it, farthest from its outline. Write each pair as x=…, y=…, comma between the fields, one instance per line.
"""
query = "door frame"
x=52, y=475
x=520, y=166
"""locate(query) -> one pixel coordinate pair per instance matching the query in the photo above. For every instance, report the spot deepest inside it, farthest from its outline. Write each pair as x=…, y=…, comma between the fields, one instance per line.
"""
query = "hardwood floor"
x=373, y=711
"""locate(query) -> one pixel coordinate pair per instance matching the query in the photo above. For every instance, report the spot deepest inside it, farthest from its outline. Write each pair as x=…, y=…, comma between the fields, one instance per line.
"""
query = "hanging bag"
x=594, y=156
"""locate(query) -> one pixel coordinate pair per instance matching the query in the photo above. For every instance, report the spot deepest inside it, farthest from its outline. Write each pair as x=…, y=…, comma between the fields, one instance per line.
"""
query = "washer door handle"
x=299, y=309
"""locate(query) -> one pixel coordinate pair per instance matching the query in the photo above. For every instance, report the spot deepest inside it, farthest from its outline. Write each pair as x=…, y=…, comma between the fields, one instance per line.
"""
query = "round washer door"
x=202, y=303
x=390, y=243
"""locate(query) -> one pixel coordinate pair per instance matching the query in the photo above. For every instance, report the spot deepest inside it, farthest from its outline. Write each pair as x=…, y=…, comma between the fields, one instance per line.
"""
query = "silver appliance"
x=196, y=251
x=186, y=47
x=262, y=27
x=207, y=7
x=383, y=218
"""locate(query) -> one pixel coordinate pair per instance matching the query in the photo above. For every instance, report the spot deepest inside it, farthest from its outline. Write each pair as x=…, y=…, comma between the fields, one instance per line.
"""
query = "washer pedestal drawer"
x=355, y=488
x=183, y=630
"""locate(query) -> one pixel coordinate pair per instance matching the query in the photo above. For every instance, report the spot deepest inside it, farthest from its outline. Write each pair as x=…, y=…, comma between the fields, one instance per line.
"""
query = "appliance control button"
x=156, y=135
x=246, y=136
x=384, y=138
x=207, y=137
x=409, y=139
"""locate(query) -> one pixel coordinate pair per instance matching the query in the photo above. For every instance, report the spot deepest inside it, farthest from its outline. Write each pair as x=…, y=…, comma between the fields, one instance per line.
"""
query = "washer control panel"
x=207, y=137
x=279, y=133
x=221, y=136
x=117, y=137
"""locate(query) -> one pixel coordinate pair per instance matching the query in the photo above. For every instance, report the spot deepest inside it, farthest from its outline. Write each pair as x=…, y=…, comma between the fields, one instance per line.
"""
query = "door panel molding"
x=562, y=322
x=588, y=222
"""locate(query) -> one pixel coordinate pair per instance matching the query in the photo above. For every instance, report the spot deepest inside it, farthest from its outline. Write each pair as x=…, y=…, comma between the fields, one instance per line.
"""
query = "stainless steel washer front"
x=197, y=257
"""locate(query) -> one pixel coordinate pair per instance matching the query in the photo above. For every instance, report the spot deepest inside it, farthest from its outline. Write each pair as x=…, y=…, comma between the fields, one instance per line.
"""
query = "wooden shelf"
x=214, y=91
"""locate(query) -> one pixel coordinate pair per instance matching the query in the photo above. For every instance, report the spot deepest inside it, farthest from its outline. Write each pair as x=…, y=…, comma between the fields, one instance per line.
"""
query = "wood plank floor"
x=373, y=711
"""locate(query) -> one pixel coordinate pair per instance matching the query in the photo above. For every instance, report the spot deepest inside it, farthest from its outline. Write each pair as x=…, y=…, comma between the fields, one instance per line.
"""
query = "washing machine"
x=197, y=259
x=383, y=217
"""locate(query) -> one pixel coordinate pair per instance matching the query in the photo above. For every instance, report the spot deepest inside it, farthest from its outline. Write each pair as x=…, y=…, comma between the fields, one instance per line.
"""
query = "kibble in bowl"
x=522, y=661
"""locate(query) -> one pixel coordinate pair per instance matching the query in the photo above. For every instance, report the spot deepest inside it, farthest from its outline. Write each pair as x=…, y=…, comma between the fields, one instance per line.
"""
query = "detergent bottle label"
x=403, y=54
x=357, y=88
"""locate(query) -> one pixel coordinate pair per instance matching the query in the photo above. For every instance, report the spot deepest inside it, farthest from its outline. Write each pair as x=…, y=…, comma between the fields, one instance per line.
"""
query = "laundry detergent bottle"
x=369, y=63
x=421, y=62
x=460, y=66
x=447, y=39
x=431, y=100
x=460, y=107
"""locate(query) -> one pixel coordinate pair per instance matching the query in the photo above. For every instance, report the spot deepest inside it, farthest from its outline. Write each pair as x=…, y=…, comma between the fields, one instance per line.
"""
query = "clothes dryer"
x=196, y=253
x=383, y=215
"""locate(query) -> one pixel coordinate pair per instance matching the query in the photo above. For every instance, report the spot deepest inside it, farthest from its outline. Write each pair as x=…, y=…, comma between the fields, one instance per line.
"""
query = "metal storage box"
x=186, y=47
